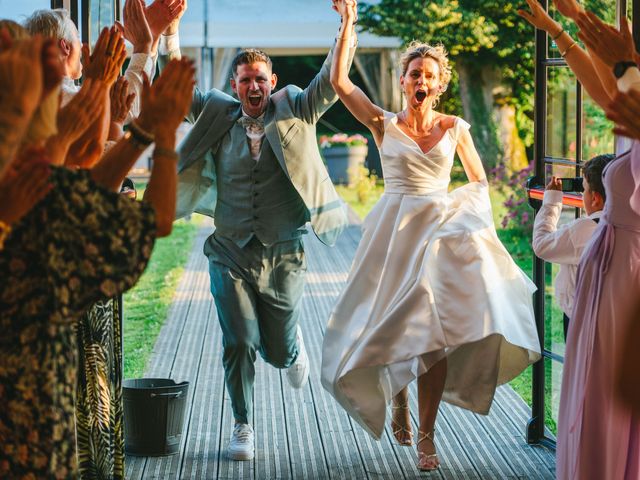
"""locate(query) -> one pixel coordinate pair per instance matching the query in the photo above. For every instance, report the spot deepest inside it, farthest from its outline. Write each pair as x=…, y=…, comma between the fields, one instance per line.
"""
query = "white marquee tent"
x=213, y=30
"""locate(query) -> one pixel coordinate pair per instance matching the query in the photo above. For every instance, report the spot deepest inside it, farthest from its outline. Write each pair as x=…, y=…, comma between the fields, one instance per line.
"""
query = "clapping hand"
x=165, y=103
x=108, y=55
x=121, y=101
x=608, y=43
x=164, y=16
x=136, y=28
x=624, y=111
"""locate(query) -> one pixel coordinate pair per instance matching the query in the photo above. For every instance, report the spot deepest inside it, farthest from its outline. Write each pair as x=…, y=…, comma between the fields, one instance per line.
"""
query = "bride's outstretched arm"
x=353, y=97
x=470, y=159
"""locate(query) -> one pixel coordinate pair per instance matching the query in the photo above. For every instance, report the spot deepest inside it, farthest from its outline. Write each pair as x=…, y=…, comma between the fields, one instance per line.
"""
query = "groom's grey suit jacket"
x=290, y=130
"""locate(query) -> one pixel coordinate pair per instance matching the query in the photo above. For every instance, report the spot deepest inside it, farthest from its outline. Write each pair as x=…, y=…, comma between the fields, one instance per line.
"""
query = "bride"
x=432, y=294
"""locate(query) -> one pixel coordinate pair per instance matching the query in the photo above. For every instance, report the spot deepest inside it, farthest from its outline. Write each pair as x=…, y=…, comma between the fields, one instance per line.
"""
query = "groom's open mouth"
x=255, y=100
x=421, y=95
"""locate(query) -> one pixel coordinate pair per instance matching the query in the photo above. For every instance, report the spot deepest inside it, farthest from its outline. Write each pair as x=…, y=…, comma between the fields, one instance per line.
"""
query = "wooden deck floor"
x=304, y=434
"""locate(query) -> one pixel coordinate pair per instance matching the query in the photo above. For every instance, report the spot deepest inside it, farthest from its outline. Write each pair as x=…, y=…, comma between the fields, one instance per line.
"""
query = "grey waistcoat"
x=254, y=198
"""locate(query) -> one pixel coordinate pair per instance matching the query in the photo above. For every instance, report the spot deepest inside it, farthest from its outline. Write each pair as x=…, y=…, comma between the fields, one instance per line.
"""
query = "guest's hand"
x=135, y=28
x=74, y=119
x=178, y=7
x=569, y=8
x=108, y=55
x=539, y=18
x=165, y=103
x=161, y=13
x=121, y=101
x=24, y=184
x=609, y=44
x=554, y=184
x=624, y=111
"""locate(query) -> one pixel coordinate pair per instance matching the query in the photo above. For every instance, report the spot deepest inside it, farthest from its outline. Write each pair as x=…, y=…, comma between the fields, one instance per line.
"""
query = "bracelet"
x=166, y=153
x=5, y=231
x=563, y=54
x=557, y=36
x=140, y=134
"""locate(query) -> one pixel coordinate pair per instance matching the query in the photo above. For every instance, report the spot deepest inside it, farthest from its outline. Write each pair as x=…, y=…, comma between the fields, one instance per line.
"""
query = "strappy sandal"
x=401, y=429
x=427, y=463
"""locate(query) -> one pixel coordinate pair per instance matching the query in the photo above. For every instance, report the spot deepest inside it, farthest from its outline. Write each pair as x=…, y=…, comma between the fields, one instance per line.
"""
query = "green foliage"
x=362, y=182
x=146, y=305
x=478, y=32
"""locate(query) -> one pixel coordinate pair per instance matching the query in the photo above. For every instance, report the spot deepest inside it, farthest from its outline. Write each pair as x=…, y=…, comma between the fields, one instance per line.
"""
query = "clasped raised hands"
x=348, y=9
x=108, y=55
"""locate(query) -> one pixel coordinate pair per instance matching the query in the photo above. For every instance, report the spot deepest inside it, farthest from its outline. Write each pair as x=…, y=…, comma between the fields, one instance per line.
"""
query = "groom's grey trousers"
x=256, y=264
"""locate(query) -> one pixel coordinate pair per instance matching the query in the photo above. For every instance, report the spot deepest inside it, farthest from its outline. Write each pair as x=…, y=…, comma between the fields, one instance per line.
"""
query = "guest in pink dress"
x=624, y=110
x=598, y=434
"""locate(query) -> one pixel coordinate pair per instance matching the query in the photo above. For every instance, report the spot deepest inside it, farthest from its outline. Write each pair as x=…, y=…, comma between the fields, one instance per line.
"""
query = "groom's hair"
x=249, y=56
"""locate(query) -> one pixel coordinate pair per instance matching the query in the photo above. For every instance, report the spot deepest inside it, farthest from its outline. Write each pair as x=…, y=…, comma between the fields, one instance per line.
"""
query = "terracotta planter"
x=340, y=159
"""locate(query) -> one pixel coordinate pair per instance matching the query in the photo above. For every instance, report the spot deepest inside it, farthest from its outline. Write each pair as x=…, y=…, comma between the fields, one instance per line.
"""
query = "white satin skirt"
x=430, y=279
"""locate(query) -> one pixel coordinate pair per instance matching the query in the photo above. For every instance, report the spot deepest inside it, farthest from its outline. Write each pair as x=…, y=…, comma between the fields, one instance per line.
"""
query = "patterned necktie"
x=255, y=133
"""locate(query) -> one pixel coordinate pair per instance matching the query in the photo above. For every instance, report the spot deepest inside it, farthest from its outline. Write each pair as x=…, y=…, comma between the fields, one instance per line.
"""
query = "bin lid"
x=151, y=383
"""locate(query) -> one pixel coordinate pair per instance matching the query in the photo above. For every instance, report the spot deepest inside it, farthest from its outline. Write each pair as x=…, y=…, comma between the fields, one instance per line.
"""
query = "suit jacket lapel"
x=272, y=136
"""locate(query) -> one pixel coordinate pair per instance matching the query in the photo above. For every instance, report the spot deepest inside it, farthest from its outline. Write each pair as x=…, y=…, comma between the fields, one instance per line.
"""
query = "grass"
x=146, y=305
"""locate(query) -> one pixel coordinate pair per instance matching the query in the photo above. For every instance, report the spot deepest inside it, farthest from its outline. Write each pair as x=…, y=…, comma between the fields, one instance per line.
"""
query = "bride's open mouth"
x=254, y=100
x=421, y=95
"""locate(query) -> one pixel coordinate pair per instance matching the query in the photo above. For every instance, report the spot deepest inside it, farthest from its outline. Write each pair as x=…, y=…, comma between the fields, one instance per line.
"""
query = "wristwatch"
x=620, y=68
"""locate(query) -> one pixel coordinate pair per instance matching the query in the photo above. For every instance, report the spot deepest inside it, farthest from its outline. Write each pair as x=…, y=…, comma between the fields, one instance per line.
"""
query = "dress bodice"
x=407, y=169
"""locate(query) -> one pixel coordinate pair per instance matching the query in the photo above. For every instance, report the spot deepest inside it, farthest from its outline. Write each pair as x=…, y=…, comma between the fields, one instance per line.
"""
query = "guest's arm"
x=576, y=57
x=554, y=244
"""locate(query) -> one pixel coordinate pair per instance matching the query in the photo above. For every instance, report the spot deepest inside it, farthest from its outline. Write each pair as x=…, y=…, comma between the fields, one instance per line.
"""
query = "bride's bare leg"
x=401, y=418
x=430, y=388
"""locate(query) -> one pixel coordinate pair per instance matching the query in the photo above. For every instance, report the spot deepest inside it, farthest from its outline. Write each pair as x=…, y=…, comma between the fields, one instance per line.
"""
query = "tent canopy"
x=285, y=27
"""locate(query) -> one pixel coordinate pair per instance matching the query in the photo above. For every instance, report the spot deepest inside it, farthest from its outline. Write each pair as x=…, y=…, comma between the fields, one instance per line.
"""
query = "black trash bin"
x=153, y=415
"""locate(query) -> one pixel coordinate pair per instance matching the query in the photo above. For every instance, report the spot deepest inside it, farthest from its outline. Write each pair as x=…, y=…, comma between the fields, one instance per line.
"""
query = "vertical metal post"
x=535, y=426
x=86, y=21
x=636, y=23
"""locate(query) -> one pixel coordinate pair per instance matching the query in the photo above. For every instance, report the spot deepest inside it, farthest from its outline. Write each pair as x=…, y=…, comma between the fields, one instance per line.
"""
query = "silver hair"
x=54, y=23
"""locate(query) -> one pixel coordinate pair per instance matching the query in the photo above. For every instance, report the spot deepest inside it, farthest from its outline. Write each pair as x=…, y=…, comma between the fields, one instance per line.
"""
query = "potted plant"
x=343, y=154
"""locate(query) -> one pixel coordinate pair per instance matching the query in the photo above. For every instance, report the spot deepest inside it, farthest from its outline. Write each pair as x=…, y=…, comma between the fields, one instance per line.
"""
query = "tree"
x=492, y=51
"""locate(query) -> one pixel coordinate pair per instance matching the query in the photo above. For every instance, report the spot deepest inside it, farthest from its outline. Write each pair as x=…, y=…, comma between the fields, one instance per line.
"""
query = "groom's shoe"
x=241, y=444
x=298, y=373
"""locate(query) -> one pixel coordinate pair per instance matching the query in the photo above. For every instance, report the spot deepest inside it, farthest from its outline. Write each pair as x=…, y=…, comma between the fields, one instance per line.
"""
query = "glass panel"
x=553, y=381
x=102, y=14
x=19, y=11
x=561, y=113
x=597, y=134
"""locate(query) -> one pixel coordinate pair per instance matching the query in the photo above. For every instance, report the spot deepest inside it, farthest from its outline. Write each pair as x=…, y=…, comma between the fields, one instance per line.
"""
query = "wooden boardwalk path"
x=304, y=434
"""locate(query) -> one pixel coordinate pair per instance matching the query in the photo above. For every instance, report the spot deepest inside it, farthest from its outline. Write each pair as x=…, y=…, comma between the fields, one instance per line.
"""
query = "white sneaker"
x=241, y=444
x=298, y=373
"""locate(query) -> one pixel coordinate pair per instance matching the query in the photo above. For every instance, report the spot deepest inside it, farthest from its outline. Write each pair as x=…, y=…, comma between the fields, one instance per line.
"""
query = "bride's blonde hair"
x=436, y=52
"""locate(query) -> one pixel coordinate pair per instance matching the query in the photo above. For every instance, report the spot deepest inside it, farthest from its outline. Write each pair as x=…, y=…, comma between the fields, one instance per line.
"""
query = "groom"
x=253, y=165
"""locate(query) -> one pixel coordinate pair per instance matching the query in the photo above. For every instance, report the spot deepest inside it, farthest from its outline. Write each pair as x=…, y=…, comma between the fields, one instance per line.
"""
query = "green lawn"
x=146, y=305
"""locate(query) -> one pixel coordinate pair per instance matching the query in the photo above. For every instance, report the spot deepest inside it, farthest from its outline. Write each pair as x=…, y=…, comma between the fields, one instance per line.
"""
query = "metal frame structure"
x=536, y=432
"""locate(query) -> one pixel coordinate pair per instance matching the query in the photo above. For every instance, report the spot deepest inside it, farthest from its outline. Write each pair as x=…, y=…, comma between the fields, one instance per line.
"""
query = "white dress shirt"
x=563, y=245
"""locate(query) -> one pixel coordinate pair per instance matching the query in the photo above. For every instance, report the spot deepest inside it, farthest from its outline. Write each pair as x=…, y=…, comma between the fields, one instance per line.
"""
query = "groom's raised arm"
x=318, y=97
